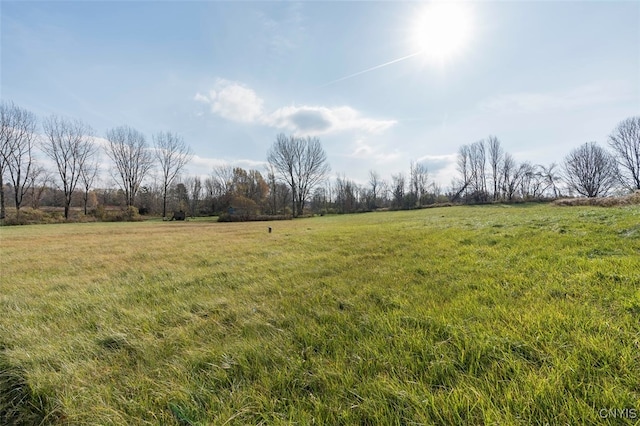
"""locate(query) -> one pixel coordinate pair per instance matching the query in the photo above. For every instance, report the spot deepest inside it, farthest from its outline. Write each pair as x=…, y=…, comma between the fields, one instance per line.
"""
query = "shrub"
x=99, y=212
x=129, y=214
x=29, y=216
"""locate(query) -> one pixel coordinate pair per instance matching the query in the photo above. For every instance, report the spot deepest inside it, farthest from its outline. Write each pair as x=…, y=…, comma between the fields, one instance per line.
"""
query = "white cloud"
x=581, y=96
x=210, y=163
x=316, y=120
x=237, y=102
x=250, y=164
x=362, y=150
x=206, y=163
x=233, y=101
x=201, y=98
x=441, y=168
x=438, y=162
x=370, y=152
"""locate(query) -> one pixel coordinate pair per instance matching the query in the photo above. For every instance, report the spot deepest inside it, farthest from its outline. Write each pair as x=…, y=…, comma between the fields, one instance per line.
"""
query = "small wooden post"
x=269, y=229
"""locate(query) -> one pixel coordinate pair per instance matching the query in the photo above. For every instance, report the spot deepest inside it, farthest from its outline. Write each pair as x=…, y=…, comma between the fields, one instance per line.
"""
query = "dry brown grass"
x=625, y=200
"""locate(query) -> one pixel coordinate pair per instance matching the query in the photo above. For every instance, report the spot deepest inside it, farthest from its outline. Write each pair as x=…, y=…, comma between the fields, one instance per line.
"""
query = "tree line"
x=71, y=146
x=150, y=178
x=488, y=173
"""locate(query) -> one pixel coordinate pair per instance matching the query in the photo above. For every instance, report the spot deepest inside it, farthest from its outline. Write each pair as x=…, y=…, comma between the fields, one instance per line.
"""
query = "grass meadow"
x=491, y=315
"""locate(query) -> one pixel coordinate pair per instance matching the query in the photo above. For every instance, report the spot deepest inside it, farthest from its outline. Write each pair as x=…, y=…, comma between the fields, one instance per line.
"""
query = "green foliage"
x=524, y=314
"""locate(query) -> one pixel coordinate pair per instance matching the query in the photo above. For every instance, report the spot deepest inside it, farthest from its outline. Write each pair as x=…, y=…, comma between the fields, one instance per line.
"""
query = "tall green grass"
x=464, y=315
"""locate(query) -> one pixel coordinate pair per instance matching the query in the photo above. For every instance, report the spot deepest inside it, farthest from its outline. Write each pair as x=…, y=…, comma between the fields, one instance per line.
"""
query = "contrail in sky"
x=371, y=69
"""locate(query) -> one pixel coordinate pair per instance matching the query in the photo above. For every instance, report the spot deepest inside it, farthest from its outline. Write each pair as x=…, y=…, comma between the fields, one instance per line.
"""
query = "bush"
x=129, y=214
x=99, y=212
x=29, y=216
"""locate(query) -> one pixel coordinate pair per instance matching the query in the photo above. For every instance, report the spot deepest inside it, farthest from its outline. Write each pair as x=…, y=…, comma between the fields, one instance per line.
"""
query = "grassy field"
x=524, y=314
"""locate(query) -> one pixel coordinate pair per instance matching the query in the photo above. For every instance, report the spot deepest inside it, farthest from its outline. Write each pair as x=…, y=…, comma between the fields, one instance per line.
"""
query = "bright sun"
x=441, y=30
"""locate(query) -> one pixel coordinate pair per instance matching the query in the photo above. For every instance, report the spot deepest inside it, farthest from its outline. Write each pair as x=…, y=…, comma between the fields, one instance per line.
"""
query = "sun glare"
x=441, y=30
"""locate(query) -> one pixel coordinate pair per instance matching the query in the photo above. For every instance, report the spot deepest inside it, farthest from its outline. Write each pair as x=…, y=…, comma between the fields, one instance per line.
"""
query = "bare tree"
x=282, y=157
x=478, y=161
x=398, y=184
x=471, y=162
x=301, y=163
x=129, y=152
x=463, y=164
x=464, y=168
x=374, y=183
x=219, y=187
x=88, y=175
x=531, y=183
x=436, y=190
x=347, y=195
x=69, y=143
x=496, y=155
x=320, y=199
x=510, y=176
x=210, y=193
x=6, y=146
x=383, y=193
x=5, y=149
x=625, y=141
x=282, y=197
x=173, y=155
x=418, y=180
x=590, y=170
x=539, y=183
x=273, y=195
x=223, y=177
x=194, y=185
x=552, y=178
x=39, y=179
x=17, y=144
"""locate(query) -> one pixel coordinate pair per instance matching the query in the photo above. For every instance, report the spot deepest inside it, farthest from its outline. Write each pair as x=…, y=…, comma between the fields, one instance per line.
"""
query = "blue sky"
x=544, y=77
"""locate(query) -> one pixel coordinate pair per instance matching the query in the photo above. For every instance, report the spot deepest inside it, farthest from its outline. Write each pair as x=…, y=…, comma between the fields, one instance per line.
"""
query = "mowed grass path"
x=466, y=315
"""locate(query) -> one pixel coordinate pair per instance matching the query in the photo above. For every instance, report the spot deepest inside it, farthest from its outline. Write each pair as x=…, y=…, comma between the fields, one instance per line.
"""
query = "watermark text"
x=619, y=413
